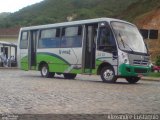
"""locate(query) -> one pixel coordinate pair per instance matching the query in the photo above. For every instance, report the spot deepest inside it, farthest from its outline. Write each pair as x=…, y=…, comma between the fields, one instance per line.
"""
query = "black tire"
x=45, y=72
x=133, y=80
x=69, y=75
x=108, y=75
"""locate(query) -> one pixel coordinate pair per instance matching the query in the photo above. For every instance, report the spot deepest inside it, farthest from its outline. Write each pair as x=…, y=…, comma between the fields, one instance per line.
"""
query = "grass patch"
x=154, y=74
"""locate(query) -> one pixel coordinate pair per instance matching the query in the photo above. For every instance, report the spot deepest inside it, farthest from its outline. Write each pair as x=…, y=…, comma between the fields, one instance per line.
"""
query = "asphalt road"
x=27, y=93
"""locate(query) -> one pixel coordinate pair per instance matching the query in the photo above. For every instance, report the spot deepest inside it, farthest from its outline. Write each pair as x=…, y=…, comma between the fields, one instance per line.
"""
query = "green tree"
x=158, y=60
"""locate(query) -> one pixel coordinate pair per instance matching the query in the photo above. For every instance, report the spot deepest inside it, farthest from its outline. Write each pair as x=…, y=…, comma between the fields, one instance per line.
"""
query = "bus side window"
x=24, y=40
x=106, y=40
x=71, y=37
x=49, y=38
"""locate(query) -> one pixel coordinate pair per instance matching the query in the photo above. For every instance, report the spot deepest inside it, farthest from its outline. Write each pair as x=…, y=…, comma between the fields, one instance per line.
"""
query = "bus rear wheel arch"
x=108, y=74
x=44, y=69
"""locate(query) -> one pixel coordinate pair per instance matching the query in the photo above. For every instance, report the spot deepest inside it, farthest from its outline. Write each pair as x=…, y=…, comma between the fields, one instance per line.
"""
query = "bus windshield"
x=128, y=37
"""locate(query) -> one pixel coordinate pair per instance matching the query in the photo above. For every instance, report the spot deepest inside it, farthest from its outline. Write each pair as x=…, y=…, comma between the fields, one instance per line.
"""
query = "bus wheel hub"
x=44, y=70
x=108, y=74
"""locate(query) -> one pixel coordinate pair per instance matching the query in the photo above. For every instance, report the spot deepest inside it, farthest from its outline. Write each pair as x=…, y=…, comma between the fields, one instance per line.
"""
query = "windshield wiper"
x=121, y=40
x=124, y=43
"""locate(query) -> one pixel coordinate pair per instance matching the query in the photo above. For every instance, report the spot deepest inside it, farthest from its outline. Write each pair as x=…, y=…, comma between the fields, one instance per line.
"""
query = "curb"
x=150, y=79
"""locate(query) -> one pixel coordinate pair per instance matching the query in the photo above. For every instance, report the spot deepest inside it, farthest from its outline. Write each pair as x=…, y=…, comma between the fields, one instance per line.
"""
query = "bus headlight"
x=125, y=58
x=125, y=61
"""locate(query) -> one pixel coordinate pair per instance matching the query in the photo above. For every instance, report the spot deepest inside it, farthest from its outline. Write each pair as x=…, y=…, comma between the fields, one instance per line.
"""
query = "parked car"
x=155, y=68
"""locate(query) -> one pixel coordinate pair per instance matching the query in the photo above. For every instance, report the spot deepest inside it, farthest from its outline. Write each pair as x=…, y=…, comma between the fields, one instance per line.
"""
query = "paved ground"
x=26, y=92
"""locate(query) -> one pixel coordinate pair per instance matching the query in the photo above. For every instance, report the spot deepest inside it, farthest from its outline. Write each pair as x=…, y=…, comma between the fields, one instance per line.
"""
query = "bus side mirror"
x=147, y=48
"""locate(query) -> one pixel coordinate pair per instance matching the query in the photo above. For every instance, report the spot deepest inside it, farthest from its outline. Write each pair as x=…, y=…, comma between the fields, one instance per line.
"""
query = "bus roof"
x=72, y=23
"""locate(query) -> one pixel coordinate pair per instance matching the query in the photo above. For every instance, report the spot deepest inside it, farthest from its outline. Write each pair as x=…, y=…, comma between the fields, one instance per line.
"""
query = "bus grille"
x=140, y=62
x=140, y=70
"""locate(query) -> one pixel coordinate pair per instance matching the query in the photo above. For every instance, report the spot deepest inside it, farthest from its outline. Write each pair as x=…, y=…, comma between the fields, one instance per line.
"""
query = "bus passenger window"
x=71, y=37
x=49, y=38
x=106, y=40
x=24, y=40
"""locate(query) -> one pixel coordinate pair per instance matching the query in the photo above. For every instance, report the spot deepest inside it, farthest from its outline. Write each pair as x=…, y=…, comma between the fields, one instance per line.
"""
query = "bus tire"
x=133, y=80
x=45, y=71
x=108, y=75
x=69, y=75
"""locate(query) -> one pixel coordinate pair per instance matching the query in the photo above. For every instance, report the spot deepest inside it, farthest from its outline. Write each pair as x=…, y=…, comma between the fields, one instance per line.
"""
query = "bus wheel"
x=133, y=80
x=69, y=75
x=108, y=75
x=45, y=72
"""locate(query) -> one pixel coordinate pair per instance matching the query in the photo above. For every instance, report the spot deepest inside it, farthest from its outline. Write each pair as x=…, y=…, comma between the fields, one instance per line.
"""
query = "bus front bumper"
x=126, y=70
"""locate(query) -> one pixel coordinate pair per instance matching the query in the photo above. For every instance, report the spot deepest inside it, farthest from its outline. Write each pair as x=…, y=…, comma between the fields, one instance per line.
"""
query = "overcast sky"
x=15, y=5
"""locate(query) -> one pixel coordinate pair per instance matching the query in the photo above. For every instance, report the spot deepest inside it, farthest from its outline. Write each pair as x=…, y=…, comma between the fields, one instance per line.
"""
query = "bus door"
x=89, y=48
x=106, y=46
x=32, y=49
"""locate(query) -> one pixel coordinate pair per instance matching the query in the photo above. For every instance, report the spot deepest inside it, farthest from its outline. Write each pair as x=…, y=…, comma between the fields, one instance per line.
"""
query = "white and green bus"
x=107, y=47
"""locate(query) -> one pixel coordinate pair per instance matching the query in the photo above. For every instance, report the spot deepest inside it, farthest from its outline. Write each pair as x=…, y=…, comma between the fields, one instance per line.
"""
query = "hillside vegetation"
x=4, y=15
x=51, y=11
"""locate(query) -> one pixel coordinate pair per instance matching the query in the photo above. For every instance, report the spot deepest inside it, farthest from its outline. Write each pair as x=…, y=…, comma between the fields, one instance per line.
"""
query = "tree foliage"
x=52, y=11
x=158, y=61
